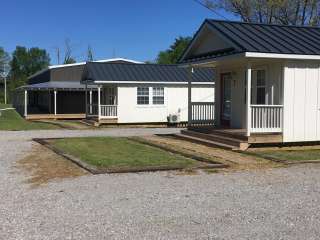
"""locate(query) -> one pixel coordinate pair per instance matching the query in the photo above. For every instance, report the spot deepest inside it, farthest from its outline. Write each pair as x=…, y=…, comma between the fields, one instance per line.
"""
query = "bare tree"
x=68, y=58
x=288, y=12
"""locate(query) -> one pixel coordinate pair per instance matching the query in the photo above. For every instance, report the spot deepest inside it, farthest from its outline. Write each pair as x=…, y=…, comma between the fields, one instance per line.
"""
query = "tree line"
x=23, y=62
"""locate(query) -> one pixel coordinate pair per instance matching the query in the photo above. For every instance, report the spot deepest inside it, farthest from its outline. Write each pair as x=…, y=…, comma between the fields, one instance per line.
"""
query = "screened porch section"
x=103, y=105
x=264, y=114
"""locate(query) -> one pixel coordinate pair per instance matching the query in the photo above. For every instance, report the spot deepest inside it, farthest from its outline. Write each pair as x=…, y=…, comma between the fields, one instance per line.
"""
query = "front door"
x=225, y=99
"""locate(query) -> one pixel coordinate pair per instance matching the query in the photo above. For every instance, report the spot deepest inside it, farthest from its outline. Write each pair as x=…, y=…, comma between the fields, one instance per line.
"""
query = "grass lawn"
x=11, y=120
x=119, y=153
x=290, y=155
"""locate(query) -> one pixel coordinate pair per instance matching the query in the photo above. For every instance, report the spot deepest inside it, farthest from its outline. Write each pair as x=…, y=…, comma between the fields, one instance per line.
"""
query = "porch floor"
x=240, y=134
x=57, y=116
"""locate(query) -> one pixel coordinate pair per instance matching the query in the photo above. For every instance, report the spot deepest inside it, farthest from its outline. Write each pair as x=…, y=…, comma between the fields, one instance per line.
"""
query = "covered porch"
x=248, y=105
x=103, y=108
x=51, y=100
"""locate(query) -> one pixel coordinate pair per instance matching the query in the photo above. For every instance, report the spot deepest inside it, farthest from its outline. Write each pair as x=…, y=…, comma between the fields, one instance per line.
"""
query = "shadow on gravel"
x=42, y=166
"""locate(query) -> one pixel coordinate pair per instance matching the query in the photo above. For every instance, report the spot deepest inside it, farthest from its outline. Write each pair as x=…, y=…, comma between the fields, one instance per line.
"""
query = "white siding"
x=301, y=102
x=175, y=98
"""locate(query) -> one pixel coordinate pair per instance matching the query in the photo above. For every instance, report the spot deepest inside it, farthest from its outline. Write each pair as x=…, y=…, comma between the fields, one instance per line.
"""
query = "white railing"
x=266, y=118
x=108, y=111
x=202, y=113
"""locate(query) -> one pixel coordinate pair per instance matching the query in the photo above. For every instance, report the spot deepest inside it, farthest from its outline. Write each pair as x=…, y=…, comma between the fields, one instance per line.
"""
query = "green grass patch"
x=290, y=155
x=2, y=105
x=11, y=120
x=119, y=153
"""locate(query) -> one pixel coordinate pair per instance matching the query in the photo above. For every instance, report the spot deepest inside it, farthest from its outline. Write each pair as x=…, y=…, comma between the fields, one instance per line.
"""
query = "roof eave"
x=281, y=56
x=96, y=82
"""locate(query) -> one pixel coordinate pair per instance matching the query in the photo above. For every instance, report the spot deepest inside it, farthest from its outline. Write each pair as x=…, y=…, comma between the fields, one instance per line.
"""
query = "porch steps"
x=217, y=139
x=90, y=122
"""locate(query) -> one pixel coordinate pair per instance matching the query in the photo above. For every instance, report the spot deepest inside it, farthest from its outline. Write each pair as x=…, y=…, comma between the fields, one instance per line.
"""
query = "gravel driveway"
x=282, y=203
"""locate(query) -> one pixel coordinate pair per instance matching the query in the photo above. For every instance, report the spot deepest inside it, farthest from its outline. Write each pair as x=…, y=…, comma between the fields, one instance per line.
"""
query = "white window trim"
x=142, y=105
x=151, y=105
x=158, y=104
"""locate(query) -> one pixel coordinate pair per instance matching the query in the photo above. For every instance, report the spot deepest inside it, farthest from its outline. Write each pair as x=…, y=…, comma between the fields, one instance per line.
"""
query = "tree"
x=90, y=57
x=287, y=12
x=68, y=58
x=26, y=62
x=172, y=55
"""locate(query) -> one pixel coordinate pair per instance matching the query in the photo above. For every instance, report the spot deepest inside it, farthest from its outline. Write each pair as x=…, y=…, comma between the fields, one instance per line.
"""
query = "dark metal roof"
x=264, y=38
x=127, y=72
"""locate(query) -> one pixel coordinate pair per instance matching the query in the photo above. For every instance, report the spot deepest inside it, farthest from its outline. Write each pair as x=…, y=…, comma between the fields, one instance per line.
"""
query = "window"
x=142, y=95
x=261, y=87
x=158, y=95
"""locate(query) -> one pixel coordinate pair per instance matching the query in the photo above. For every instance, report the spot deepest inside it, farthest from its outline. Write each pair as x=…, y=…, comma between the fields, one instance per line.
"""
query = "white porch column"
x=25, y=103
x=5, y=90
x=55, y=102
x=248, y=74
x=90, y=101
x=190, y=97
x=86, y=99
x=99, y=104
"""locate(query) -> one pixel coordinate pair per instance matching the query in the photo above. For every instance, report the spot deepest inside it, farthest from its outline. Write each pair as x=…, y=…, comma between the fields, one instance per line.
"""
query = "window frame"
x=262, y=86
x=144, y=93
x=158, y=93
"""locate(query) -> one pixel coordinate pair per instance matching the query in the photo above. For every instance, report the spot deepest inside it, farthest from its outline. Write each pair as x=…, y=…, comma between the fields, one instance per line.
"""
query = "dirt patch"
x=43, y=165
x=236, y=160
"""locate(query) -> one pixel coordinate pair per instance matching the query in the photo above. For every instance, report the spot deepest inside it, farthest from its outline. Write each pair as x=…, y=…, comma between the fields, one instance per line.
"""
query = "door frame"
x=224, y=122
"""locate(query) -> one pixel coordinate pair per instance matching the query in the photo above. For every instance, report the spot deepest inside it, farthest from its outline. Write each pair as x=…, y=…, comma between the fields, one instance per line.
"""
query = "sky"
x=134, y=29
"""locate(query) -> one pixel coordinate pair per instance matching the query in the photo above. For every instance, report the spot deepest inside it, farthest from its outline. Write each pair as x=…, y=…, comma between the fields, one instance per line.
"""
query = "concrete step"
x=222, y=133
x=205, y=142
x=90, y=122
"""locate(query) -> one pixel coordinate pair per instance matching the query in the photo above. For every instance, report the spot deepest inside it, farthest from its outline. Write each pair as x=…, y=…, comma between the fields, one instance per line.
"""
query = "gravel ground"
x=281, y=203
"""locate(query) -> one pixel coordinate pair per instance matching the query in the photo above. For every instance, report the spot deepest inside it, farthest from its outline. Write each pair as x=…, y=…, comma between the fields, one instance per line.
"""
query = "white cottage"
x=267, y=83
x=143, y=93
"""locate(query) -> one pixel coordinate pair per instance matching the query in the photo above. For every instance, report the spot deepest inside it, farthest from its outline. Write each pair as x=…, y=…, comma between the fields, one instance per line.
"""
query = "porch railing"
x=202, y=113
x=266, y=118
x=109, y=111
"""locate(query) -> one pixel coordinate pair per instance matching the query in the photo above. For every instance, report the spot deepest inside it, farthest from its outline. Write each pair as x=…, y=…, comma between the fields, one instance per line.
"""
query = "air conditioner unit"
x=174, y=118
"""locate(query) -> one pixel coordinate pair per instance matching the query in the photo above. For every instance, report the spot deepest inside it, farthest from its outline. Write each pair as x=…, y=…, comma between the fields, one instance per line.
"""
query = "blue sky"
x=135, y=29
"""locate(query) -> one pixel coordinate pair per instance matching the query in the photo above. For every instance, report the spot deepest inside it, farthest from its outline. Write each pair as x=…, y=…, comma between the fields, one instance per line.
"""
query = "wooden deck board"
x=241, y=134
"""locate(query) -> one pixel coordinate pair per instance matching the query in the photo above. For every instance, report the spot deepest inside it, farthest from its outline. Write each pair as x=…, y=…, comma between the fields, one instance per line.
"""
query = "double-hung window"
x=158, y=95
x=143, y=95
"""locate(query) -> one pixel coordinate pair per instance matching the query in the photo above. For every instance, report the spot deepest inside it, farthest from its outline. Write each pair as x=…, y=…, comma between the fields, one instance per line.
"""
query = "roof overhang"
x=212, y=62
x=145, y=82
x=62, y=86
x=281, y=56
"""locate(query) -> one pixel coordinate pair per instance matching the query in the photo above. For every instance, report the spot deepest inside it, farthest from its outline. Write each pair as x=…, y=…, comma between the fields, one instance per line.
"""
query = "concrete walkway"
x=281, y=203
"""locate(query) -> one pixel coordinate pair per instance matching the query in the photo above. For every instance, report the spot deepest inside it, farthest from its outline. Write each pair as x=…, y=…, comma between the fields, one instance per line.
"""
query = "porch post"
x=25, y=103
x=55, y=102
x=190, y=96
x=248, y=74
x=86, y=99
x=90, y=101
x=99, y=104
